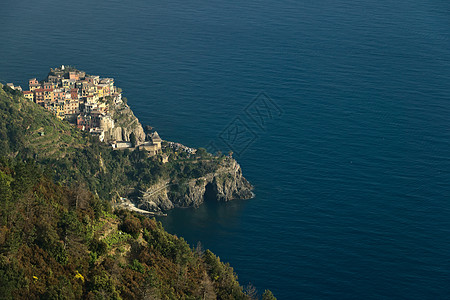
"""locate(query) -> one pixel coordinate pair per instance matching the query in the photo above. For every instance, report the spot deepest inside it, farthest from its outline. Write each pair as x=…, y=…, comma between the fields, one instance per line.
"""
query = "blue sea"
x=337, y=111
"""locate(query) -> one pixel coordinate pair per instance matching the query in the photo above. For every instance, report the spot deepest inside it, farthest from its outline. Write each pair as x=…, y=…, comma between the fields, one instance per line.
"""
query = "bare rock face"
x=156, y=198
x=123, y=134
x=232, y=185
x=226, y=184
x=125, y=123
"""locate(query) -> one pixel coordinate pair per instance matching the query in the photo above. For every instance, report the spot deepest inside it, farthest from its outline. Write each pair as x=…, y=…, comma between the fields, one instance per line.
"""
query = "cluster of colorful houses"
x=76, y=97
x=79, y=98
x=83, y=100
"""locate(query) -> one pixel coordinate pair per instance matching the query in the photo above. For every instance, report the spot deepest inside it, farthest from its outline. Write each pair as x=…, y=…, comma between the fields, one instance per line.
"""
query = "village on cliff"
x=87, y=101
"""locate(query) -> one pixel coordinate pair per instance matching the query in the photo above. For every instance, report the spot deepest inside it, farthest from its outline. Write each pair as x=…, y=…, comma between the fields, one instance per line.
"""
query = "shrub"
x=131, y=225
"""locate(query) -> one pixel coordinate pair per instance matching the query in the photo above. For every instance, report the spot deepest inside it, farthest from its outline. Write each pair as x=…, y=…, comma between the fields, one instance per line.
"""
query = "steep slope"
x=59, y=243
x=26, y=129
x=125, y=123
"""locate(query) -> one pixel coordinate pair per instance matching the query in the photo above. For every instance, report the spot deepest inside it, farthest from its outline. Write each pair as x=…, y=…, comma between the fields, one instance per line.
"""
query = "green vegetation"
x=65, y=243
x=133, y=139
x=29, y=131
x=12, y=91
x=268, y=295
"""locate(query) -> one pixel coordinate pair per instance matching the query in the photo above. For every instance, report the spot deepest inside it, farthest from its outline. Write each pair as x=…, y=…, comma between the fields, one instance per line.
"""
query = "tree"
x=199, y=249
x=5, y=187
x=131, y=225
x=133, y=139
x=201, y=152
x=251, y=291
x=268, y=295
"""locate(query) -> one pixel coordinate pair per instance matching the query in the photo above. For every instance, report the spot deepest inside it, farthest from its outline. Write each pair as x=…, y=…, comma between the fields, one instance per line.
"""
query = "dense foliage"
x=64, y=243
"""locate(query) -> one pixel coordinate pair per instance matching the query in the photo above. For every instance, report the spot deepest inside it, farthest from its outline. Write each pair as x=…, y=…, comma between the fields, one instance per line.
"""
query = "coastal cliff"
x=225, y=184
x=125, y=123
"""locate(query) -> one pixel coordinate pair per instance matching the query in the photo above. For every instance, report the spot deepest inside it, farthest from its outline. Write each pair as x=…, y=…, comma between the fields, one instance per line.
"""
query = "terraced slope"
x=27, y=129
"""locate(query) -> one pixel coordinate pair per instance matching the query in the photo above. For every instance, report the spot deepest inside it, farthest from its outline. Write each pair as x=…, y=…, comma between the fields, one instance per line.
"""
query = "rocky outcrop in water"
x=226, y=184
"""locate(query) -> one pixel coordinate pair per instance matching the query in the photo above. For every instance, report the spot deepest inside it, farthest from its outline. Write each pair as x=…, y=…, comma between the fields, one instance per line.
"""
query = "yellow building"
x=60, y=111
x=100, y=90
x=29, y=95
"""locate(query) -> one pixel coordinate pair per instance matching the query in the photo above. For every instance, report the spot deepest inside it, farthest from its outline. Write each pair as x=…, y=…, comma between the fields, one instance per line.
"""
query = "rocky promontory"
x=225, y=184
x=125, y=123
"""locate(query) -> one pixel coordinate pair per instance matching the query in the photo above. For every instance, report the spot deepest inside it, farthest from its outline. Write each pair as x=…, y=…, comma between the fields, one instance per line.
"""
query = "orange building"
x=33, y=84
x=72, y=107
x=48, y=85
x=74, y=75
x=74, y=93
x=77, y=75
x=59, y=95
x=42, y=96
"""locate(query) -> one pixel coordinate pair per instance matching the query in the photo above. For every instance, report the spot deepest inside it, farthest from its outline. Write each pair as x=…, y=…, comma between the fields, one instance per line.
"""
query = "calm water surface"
x=351, y=177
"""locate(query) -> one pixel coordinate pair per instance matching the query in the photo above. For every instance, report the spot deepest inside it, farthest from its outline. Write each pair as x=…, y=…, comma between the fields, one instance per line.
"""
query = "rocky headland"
x=225, y=184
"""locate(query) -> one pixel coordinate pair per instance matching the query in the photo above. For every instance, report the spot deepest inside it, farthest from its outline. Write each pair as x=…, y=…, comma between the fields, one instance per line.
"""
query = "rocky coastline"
x=224, y=185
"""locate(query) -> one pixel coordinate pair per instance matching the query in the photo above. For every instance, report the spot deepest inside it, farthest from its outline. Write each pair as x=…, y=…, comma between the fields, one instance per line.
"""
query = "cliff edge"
x=225, y=184
x=125, y=123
